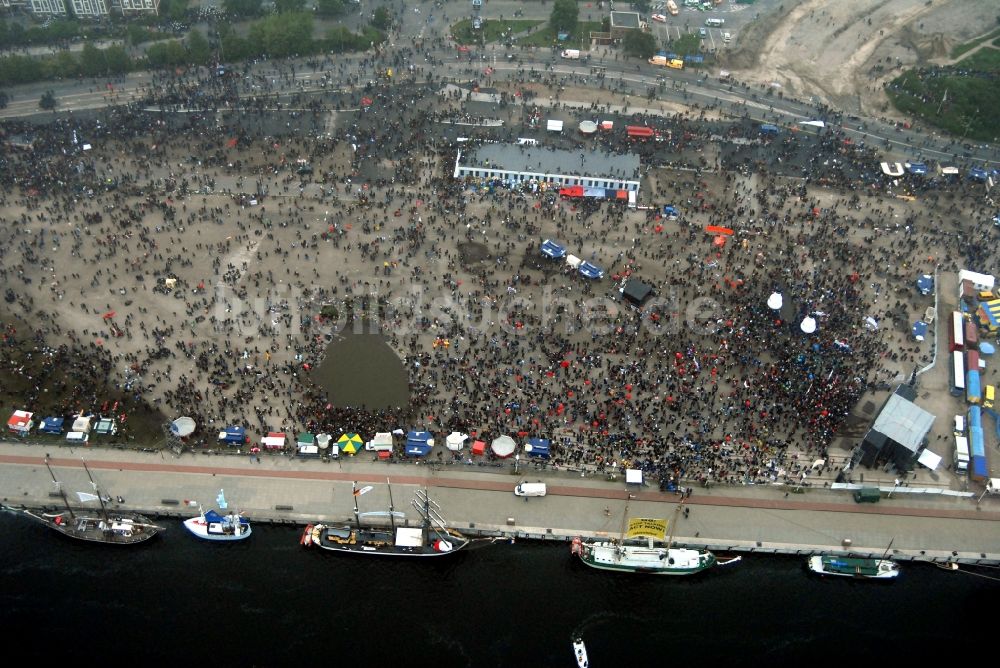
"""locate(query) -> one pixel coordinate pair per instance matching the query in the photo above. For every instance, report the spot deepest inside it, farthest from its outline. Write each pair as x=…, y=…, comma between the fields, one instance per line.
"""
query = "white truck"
x=571, y=54
x=381, y=442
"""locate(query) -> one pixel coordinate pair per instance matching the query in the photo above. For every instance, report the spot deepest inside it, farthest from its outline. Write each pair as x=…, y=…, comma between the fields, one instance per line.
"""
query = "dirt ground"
x=844, y=52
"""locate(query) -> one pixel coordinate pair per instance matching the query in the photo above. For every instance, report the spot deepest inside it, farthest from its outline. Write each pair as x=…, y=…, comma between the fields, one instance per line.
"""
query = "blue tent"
x=233, y=435
x=917, y=168
x=977, y=174
x=670, y=211
x=925, y=284
x=985, y=348
x=537, y=447
x=919, y=330
x=552, y=249
x=51, y=425
x=418, y=443
x=590, y=270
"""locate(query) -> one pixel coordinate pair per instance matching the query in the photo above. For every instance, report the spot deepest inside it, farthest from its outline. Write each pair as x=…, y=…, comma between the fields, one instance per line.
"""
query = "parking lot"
x=689, y=19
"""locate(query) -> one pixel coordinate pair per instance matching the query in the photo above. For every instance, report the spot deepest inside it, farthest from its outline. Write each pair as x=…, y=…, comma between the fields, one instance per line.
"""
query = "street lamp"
x=894, y=486
x=517, y=460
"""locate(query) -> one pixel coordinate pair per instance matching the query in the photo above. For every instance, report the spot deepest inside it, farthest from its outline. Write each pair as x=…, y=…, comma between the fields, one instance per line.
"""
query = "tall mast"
x=673, y=523
x=392, y=518
x=887, y=547
x=621, y=530
x=97, y=490
x=59, y=488
x=357, y=514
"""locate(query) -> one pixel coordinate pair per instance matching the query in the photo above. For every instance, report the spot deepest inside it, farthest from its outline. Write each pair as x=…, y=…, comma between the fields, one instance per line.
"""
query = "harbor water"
x=268, y=601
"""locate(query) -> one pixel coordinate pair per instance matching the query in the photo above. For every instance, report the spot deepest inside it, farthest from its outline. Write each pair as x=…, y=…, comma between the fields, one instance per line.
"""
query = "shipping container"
x=973, y=390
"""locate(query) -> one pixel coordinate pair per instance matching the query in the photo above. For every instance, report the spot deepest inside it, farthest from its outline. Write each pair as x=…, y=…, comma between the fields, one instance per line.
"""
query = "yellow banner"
x=644, y=527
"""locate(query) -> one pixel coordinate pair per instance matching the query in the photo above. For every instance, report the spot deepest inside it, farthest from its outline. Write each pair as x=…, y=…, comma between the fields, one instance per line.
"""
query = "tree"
x=117, y=59
x=4, y=98
x=565, y=15
x=283, y=35
x=92, y=61
x=242, y=8
x=47, y=101
x=639, y=44
x=330, y=7
x=688, y=44
x=285, y=6
x=175, y=10
x=381, y=19
x=198, y=49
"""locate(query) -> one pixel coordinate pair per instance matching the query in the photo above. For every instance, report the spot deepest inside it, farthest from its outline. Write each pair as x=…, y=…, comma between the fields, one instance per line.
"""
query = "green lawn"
x=987, y=59
x=968, y=46
x=547, y=36
x=493, y=30
x=965, y=111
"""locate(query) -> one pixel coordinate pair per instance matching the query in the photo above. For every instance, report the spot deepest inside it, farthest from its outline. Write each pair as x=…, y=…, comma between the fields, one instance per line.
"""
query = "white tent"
x=929, y=459
x=455, y=441
x=554, y=126
x=633, y=476
x=81, y=424
x=573, y=261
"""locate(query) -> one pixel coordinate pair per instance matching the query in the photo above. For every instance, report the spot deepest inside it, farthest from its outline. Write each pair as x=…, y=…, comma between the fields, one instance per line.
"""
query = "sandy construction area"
x=843, y=52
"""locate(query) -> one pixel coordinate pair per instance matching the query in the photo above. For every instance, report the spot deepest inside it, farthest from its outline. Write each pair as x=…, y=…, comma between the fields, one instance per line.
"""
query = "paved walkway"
x=289, y=490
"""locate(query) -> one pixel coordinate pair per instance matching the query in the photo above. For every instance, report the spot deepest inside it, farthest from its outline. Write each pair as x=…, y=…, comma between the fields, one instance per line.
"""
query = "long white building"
x=516, y=163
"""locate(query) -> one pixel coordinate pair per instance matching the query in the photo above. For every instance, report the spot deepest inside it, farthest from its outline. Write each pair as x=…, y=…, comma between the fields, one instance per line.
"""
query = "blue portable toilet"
x=925, y=284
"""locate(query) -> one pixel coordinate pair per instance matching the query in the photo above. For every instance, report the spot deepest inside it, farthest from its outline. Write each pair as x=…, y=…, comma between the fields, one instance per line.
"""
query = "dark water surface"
x=270, y=602
x=362, y=371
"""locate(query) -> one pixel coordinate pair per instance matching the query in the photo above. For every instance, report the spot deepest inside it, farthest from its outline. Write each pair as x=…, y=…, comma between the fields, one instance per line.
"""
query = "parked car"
x=703, y=33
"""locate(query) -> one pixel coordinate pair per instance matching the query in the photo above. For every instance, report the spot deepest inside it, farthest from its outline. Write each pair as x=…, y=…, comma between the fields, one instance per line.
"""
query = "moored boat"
x=218, y=527
x=213, y=526
x=653, y=559
x=433, y=538
x=107, y=526
x=855, y=567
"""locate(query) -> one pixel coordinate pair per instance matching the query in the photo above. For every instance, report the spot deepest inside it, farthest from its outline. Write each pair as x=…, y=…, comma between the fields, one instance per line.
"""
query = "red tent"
x=478, y=448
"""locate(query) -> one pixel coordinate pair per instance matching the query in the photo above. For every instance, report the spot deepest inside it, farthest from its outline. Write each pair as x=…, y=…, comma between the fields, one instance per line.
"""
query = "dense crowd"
x=182, y=263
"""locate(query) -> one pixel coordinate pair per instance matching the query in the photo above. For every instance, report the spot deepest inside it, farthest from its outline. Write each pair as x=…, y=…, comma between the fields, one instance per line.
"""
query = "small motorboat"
x=580, y=651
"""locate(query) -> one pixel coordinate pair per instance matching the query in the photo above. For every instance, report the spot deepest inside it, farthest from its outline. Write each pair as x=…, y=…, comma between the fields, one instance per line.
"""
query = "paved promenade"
x=768, y=519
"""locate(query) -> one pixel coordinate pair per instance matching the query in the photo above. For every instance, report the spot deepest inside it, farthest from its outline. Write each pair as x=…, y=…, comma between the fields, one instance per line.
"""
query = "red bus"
x=957, y=332
x=639, y=131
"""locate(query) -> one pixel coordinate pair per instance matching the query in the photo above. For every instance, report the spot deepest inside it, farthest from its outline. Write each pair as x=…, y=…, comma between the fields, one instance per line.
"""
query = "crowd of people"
x=214, y=243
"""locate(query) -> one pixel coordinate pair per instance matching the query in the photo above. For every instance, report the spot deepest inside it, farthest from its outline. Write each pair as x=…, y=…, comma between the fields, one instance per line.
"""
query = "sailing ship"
x=864, y=568
x=217, y=527
x=616, y=555
x=433, y=538
x=111, y=527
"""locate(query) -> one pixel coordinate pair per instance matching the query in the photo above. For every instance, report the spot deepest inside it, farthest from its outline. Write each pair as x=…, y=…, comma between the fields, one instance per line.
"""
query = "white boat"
x=864, y=568
x=218, y=527
x=651, y=558
x=580, y=652
x=854, y=567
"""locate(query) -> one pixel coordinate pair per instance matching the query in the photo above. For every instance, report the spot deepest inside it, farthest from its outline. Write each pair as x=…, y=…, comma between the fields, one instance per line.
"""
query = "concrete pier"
x=480, y=501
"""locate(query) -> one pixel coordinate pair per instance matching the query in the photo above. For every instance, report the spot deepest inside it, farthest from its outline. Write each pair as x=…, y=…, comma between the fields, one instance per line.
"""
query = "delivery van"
x=961, y=461
x=571, y=54
x=530, y=489
x=77, y=437
x=714, y=23
x=382, y=442
x=990, y=396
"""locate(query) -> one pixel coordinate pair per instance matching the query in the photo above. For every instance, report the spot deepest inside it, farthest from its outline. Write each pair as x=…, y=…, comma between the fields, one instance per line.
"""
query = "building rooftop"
x=538, y=159
x=903, y=422
x=625, y=20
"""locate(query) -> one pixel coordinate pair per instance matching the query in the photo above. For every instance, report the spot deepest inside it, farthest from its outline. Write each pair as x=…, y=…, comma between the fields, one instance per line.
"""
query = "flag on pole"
x=221, y=500
x=85, y=496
